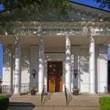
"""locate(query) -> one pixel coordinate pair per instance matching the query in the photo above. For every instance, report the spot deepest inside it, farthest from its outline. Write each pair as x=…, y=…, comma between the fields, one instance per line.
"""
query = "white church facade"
x=54, y=53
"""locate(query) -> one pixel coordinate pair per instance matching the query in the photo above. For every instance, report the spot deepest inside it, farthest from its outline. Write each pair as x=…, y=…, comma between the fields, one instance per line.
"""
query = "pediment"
x=77, y=13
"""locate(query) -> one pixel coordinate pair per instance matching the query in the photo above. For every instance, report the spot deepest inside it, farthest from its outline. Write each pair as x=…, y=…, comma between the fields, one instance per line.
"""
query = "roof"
x=78, y=12
x=93, y=7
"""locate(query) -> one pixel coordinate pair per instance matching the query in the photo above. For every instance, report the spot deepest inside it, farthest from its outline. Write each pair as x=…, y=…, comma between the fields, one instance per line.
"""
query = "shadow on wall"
x=9, y=64
x=83, y=65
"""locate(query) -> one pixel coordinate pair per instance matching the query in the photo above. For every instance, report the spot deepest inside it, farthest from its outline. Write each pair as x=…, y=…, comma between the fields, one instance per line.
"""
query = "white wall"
x=75, y=61
x=7, y=67
x=34, y=55
x=102, y=70
x=25, y=68
x=81, y=62
x=84, y=70
x=29, y=61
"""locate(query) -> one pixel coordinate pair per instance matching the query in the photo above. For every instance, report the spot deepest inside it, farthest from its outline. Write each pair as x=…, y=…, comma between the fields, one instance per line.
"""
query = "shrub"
x=4, y=102
x=76, y=91
x=104, y=103
x=33, y=91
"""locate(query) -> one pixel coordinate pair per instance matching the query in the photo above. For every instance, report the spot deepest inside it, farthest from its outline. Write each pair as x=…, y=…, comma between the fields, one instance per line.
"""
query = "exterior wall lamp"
x=75, y=73
x=34, y=73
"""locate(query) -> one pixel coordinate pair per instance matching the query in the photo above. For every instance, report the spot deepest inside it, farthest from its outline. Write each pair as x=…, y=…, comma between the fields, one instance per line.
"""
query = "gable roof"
x=90, y=6
x=78, y=12
x=91, y=10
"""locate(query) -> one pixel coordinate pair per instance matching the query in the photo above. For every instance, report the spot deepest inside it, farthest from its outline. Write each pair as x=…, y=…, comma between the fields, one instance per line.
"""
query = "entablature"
x=60, y=28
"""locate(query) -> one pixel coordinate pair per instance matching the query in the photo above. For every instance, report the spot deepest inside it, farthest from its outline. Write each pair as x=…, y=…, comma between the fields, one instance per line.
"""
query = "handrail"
x=44, y=95
x=68, y=95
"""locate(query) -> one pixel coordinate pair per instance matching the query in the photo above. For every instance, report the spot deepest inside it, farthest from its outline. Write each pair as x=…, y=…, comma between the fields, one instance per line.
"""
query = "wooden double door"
x=55, y=76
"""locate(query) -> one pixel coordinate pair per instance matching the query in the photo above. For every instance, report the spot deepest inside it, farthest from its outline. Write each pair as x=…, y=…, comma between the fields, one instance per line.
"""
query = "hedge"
x=4, y=102
x=104, y=103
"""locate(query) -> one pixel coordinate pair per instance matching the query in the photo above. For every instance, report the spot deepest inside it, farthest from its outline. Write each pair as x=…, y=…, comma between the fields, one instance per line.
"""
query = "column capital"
x=93, y=32
x=92, y=39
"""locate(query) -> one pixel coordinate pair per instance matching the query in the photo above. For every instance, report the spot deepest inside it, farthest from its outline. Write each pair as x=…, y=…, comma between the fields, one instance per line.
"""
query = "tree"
x=104, y=3
x=30, y=5
x=25, y=8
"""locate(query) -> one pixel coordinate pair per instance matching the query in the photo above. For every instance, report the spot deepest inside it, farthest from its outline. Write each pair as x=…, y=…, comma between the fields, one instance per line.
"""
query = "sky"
x=92, y=3
x=86, y=2
x=1, y=51
x=1, y=7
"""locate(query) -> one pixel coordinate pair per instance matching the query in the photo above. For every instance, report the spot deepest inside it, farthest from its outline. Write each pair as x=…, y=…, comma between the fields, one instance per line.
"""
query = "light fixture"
x=75, y=73
x=34, y=73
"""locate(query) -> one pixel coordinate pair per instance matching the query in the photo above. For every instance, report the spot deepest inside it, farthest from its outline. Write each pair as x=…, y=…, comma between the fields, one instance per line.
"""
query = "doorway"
x=55, y=69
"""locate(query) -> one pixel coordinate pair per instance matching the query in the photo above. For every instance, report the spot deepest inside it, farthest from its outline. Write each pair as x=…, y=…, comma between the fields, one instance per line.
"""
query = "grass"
x=104, y=103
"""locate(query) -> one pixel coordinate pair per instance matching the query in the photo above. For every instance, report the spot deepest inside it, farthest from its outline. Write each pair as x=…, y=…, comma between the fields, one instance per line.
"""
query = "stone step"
x=56, y=100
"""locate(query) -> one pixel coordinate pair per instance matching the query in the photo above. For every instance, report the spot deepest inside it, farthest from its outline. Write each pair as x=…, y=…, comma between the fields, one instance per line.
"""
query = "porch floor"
x=56, y=102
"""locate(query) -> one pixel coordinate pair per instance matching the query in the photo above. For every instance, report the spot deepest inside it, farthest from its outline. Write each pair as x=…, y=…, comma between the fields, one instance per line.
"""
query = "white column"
x=11, y=76
x=68, y=64
x=41, y=64
x=92, y=64
x=17, y=73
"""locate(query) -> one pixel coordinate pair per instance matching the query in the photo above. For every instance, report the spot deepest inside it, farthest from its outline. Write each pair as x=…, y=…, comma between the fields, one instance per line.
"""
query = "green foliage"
x=33, y=91
x=24, y=9
x=76, y=91
x=32, y=5
x=4, y=102
x=104, y=103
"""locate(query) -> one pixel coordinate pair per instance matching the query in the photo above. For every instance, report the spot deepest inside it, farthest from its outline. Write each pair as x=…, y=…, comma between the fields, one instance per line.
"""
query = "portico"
x=83, y=49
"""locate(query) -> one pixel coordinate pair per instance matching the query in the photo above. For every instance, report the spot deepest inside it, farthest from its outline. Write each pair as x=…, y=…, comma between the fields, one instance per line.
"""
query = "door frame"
x=55, y=76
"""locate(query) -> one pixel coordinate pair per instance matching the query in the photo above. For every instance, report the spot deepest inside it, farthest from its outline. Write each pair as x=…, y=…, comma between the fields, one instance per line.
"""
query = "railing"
x=44, y=95
x=68, y=96
x=6, y=89
x=25, y=88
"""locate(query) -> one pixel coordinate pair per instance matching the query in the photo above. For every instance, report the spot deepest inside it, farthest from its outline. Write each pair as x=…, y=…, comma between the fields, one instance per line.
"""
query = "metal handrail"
x=68, y=95
x=44, y=95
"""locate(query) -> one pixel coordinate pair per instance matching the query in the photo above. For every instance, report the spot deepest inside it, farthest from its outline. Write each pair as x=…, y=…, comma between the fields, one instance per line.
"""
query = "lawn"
x=104, y=103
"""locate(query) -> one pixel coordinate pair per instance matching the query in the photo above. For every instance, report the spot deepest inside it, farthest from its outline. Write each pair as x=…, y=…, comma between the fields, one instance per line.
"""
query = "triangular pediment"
x=76, y=13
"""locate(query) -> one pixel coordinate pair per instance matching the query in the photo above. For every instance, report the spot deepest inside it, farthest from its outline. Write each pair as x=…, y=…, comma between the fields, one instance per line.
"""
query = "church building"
x=43, y=50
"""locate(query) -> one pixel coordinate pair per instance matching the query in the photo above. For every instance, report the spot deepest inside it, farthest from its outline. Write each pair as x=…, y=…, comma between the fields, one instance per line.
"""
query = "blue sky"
x=87, y=2
x=1, y=7
x=92, y=3
x=1, y=51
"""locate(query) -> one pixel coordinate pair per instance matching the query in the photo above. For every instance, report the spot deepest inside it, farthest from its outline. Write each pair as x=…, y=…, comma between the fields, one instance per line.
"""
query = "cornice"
x=60, y=28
